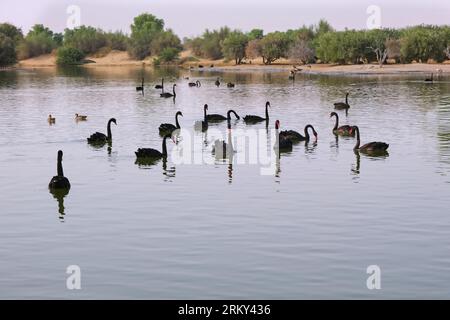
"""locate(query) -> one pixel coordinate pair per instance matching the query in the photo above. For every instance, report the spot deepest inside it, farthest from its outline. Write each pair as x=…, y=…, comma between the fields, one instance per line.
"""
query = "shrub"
x=274, y=46
x=40, y=40
x=169, y=55
x=145, y=28
x=233, y=47
x=86, y=39
x=11, y=31
x=7, y=50
x=117, y=40
x=69, y=56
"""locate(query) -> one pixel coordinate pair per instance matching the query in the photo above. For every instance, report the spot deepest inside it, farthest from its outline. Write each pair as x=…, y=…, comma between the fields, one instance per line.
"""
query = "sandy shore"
x=121, y=58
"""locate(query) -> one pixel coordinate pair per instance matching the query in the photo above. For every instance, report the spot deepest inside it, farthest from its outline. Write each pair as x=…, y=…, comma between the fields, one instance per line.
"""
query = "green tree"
x=274, y=46
x=87, y=39
x=255, y=34
x=40, y=40
x=234, y=45
x=144, y=30
x=7, y=50
x=11, y=32
x=69, y=56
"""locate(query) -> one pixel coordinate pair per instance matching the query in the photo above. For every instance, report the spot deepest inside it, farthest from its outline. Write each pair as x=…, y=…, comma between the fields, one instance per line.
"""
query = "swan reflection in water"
x=356, y=168
x=59, y=195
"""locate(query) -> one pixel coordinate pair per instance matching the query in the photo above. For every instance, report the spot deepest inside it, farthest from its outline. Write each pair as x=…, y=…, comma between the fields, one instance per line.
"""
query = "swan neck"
x=267, y=112
x=307, y=133
x=336, y=123
x=60, y=168
x=164, y=147
x=358, y=141
x=176, y=121
x=109, y=130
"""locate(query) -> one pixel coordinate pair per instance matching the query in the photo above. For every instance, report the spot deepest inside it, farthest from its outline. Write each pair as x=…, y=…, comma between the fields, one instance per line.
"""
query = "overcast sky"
x=192, y=17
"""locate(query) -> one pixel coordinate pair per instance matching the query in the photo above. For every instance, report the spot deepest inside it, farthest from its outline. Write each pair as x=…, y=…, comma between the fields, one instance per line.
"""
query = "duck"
x=345, y=130
x=195, y=84
x=149, y=153
x=371, y=147
x=100, y=138
x=79, y=117
x=342, y=105
x=168, y=94
x=59, y=181
x=160, y=86
x=282, y=143
x=252, y=119
x=230, y=85
x=217, y=83
x=51, y=119
x=168, y=128
x=141, y=87
x=294, y=136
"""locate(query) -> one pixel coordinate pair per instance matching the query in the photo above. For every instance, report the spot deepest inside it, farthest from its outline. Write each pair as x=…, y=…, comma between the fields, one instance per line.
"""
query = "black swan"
x=79, y=117
x=160, y=86
x=342, y=130
x=294, y=136
x=100, y=137
x=59, y=181
x=168, y=94
x=51, y=119
x=168, y=128
x=371, y=147
x=429, y=79
x=141, y=88
x=195, y=84
x=204, y=123
x=281, y=142
x=230, y=85
x=148, y=153
x=292, y=75
x=342, y=105
x=217, y=83
x=251, y=119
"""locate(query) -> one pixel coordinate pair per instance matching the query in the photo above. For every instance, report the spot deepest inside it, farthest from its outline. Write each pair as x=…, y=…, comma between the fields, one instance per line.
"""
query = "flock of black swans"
x=284, y=139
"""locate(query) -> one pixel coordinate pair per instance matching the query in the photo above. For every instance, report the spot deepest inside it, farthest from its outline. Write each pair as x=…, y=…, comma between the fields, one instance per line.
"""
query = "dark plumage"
x=294, y=136
x=217, y=83
x=230, y=85
x=59, y=181
x=342, y=105
x=148, y=153
x=371, y=147
x=168, y=94
x=252, y=119
x=160, y=86
x=345, y=130
x=282, y=144
x=168, y=128
x=429, y=79
x=141, y=88
x=99, y=137
x=195, y=84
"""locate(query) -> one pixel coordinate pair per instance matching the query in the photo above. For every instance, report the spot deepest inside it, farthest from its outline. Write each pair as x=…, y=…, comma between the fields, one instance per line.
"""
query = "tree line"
x=319, y=43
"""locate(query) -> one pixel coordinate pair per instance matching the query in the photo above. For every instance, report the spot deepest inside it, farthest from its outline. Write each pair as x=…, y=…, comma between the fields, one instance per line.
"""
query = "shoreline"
x=121, y=59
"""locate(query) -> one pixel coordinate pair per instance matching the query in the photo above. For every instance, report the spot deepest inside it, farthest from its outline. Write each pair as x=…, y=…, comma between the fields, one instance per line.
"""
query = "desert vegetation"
x=319, y=43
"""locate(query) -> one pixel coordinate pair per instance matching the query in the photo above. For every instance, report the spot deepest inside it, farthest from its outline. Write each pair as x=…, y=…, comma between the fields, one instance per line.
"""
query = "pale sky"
x=192, y=17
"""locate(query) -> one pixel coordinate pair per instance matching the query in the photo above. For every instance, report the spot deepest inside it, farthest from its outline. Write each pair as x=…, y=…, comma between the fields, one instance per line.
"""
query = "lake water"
x=307, y=227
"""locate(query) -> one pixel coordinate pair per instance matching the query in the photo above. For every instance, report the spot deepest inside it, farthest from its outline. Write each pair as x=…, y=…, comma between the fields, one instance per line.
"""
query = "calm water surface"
x=210, y=230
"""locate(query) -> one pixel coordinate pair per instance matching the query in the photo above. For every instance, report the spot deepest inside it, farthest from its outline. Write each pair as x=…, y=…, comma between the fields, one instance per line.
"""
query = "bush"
x=424, y=42
x=209, y=45
x=145, y=28
x=169, y=55
x=274, y=46
x=117, y=40
x=7, y=50
x=233, y=47
x=11, y=31
x=40, y=40
x=86, y=39
x=69, y=56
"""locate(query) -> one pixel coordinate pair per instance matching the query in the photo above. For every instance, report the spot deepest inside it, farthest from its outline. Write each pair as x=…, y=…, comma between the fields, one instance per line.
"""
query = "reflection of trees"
x=443, y=128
